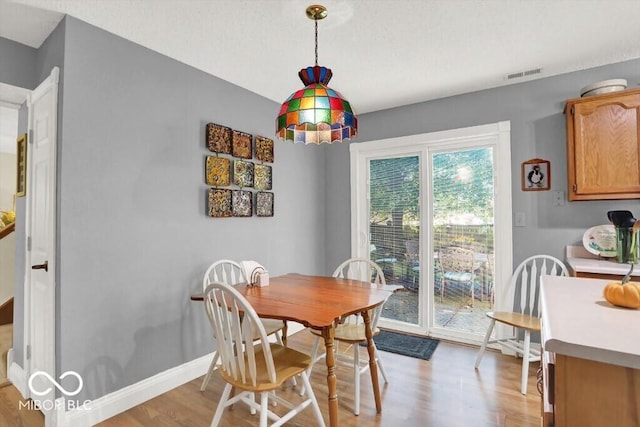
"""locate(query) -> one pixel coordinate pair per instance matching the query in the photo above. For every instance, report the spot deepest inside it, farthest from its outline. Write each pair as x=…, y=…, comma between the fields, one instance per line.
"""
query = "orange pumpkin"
x=627, y=295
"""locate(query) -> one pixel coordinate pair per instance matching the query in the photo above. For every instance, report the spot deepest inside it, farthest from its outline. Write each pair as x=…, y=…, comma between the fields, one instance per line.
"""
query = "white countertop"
x=581, y=261
x=577, y=321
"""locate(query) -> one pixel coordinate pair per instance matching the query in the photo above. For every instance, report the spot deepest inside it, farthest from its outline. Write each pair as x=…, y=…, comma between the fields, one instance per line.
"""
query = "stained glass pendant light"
x=316, y=113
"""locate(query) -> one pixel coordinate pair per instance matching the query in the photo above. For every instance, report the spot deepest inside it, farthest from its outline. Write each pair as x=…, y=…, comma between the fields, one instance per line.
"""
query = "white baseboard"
x=126, y=398
x=16, y=374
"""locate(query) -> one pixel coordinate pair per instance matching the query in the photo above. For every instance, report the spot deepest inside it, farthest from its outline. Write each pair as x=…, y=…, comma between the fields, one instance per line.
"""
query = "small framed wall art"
x=264, y=203
x=21, y=166
x=536, y=175
x=243, y=173
x=264, y=149
x=242, y=203
x=262, y=177
x=218, y=138
x=220, y=203
x=218, y=171
x=241, y=145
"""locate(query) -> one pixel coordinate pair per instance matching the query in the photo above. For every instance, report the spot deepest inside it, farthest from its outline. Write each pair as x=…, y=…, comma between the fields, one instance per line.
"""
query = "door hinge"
x=28, y=351
x=575, y=188
x=30, y=136
x=29, y=243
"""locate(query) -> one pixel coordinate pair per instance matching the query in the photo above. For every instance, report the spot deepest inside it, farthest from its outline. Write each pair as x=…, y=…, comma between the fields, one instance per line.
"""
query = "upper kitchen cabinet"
x=603, y=146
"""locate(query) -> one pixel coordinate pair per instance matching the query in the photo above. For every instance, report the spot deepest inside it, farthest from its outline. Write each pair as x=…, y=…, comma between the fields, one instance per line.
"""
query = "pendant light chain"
x=316, y=21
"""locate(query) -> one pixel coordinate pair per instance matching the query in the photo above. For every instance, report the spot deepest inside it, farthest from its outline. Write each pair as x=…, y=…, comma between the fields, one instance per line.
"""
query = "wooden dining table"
x=319, y=302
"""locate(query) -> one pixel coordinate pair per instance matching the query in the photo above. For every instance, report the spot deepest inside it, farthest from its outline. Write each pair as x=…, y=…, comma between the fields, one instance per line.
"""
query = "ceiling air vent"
x=521, y=74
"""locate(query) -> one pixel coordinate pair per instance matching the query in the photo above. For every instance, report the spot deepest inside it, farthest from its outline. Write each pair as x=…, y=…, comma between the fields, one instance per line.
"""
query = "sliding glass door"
x=424, y=208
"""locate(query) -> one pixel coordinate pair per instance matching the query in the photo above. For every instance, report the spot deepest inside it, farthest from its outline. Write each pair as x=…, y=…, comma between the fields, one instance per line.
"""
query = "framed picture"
x=218, y=171
x=243, y=173
x=264, y=203
x=21, y=176
x=262, y=179
x=536, y=175
x=241, y=145
x=218, y=138
x=220, y=204
x=241, y=203
x=264, y=149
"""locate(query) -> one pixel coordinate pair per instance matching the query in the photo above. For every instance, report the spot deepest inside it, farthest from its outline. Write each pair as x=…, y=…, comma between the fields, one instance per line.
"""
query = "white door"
x=40, y=266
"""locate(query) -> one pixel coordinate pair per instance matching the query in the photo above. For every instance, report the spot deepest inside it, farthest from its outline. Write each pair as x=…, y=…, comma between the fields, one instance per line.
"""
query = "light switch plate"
x=558, y=198
x=521, y=219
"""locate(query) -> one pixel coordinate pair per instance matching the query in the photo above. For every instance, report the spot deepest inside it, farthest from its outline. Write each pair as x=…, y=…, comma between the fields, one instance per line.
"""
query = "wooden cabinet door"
x=594, y=394
x=603, y=146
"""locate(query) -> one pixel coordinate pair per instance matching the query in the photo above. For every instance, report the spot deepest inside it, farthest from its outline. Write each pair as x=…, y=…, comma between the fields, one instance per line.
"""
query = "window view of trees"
x=463, y=187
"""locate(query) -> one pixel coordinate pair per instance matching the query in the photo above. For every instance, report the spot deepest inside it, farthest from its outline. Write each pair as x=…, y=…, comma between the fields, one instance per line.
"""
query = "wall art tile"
x=243, y=173
x=264, y=203
x=264, y=149
x=262, y=177
x=242, y=203
x=218, y=138
x=218, y=171
x=241, y=143
x=220, y=202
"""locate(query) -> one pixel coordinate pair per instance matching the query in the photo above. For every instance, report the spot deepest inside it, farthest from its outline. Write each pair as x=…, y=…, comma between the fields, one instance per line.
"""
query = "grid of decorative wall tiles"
x=241, y=183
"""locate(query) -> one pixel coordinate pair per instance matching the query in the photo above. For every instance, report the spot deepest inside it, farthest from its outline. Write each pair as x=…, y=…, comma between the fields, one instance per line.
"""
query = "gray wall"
x=134, y=237
x=535, y=110
x=17, y=64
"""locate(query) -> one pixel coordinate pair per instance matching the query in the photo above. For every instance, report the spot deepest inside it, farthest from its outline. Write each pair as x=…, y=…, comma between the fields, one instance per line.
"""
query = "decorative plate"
x=600, y=240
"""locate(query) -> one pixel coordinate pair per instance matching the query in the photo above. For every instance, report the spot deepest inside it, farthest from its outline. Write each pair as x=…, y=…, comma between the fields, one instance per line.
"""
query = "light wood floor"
x=445, y=391
x=6, y=341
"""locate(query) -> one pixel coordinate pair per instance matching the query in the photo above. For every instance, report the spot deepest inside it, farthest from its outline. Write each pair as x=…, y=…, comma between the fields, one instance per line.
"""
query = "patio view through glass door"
x=462, y=222
x=430, y=218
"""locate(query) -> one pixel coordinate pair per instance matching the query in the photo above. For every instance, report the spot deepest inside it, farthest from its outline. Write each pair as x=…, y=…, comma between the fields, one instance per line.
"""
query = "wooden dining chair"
x=231, y=273
x=524, y=317
x=457, y=265
x=352, y=329
x=250, y=363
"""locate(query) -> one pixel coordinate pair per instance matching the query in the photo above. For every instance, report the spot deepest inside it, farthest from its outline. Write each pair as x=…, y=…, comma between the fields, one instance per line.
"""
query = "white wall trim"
x=126, y=398
x=16, y=374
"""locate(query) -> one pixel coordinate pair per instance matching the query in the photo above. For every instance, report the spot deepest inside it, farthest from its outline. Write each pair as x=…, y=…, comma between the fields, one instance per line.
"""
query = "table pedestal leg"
x=373, y=366
x=327, y=334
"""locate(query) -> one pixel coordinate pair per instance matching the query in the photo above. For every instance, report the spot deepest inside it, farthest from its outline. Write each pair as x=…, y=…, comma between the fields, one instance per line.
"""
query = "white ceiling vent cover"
x=521, y=74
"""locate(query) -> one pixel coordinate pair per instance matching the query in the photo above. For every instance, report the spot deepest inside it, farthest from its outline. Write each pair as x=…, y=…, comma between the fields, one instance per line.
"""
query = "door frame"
x=496, y=134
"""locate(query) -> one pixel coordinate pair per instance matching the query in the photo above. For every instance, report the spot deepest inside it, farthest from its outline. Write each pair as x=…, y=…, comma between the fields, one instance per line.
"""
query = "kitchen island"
x=591, y=361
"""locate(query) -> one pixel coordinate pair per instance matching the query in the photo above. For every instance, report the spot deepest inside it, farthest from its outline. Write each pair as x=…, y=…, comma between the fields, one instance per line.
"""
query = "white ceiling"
x=383, y=53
